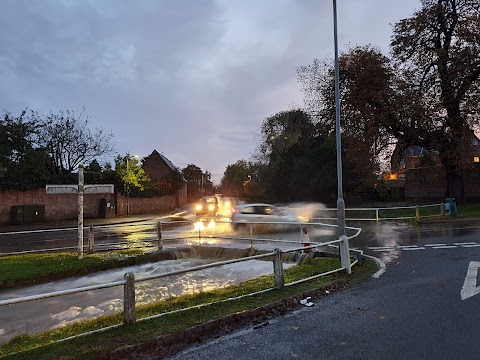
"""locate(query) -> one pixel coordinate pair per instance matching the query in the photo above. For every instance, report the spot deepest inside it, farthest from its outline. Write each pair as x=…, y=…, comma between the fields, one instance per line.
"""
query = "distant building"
x=418, y=171
x=157, y=167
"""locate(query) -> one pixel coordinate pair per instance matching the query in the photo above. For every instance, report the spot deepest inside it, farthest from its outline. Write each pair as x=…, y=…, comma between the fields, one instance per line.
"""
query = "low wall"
x=151, y=205
x=57, y=207
x=64, y=207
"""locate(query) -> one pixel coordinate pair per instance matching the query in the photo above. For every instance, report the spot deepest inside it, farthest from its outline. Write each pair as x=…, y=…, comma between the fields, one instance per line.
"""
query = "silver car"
x=255, y=213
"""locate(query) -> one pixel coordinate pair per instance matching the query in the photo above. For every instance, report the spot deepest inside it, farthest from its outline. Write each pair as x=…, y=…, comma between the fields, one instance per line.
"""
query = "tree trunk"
x=455, y=186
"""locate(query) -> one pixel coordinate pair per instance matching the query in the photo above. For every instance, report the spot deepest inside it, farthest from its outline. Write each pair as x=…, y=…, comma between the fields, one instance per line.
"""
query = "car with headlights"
x=207, y=205
x=226, y=206
x=260, y=213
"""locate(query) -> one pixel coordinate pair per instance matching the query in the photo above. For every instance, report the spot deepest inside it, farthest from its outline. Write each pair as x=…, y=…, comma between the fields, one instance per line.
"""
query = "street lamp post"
x=344, y=250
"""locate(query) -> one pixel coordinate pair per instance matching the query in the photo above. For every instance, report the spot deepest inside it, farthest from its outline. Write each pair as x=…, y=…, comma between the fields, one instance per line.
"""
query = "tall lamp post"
x=344, y=250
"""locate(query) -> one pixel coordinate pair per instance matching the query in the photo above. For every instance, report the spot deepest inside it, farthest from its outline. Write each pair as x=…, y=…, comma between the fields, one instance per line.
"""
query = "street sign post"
x=80, y=189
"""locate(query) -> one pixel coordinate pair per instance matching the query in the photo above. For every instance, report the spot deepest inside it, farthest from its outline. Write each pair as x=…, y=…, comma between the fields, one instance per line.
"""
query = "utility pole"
x=344, y=247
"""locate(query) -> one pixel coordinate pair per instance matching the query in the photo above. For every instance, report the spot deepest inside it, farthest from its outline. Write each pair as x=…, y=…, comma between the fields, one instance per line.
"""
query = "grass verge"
x=45, y=345
x=27, y=269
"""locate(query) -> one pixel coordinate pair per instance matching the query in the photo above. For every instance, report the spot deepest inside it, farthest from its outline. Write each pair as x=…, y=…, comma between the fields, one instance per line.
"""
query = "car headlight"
x=198, y=207
x=228, y=204
x=211, y=207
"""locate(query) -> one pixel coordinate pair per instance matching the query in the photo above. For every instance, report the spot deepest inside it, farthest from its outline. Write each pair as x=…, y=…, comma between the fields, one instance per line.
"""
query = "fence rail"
x=129, y=298
x=378, y=213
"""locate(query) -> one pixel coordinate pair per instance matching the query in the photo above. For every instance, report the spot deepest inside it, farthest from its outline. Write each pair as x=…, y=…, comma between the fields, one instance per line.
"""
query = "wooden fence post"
x=129, y=312
x=278, y=269
x=159, y=234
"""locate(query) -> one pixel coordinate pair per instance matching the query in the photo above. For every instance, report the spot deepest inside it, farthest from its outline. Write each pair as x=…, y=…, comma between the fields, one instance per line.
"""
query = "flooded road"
x=35, y=316
x=386, y=240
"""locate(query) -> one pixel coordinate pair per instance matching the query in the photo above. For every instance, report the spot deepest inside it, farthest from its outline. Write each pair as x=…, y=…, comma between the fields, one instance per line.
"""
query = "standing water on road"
x=40, y=315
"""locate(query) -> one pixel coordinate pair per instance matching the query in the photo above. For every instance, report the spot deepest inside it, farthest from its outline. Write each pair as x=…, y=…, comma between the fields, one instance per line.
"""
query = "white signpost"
x=80, y=189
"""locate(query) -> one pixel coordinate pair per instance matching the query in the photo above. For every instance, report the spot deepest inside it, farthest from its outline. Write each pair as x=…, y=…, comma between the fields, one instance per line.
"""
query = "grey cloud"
x=192, y=79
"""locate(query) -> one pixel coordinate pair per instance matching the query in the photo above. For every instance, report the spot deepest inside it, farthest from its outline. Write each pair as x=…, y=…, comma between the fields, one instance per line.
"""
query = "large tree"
x=438, y=50
x=234, y=177
x=367, y=90
x=22, y=164
x=296, y=158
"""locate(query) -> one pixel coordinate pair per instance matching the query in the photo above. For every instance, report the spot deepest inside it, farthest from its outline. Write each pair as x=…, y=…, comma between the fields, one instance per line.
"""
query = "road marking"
x=470, y=287
x=423, y=247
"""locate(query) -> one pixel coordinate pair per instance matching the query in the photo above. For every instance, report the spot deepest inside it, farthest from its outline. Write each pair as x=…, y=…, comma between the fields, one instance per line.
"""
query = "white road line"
x=406, y=246
x=469, y=246
x=465, y=243
x=445, y=247
x=380, y=250
x=381, y=265
x=380, y=247
x=470, y=287
x=417, y=248
x=435, y=245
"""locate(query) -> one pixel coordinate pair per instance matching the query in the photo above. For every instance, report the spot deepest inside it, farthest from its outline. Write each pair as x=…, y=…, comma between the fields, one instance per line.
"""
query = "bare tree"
x=70, y=142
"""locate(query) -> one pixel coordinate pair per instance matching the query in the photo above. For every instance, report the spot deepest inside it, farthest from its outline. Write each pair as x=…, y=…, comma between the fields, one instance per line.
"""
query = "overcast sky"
x=192, y=79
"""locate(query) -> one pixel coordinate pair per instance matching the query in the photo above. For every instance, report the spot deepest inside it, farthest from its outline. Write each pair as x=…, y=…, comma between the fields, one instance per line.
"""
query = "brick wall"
x=427, y=182
x=57, y=207
x=64, y=207
x=430, y=182
x=153, y=205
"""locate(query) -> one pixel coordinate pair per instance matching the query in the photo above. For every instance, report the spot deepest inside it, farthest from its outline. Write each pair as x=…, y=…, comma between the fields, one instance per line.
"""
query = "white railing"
x=129, y=310
x=375, y=213
x=158, y=229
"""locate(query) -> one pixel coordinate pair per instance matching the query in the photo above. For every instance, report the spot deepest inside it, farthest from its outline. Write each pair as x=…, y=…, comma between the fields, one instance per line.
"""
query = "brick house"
x=157, y=166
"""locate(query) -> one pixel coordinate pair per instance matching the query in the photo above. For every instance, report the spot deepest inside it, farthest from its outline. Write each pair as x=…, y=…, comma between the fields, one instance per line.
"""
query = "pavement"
x=58, y=224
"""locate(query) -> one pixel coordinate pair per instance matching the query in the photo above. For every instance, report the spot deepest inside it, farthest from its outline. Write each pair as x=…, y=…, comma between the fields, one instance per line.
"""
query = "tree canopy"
x=199, y=182
x=38, y=149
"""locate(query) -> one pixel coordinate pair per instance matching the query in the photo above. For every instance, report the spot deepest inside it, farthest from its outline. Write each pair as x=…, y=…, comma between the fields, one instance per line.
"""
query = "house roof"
x=168, y=162
x=164, y=158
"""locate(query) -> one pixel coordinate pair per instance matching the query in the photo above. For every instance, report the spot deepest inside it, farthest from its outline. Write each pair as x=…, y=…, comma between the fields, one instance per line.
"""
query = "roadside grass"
x=426, y=212
x=45, y=345
x=35, y=268
x=468, y=210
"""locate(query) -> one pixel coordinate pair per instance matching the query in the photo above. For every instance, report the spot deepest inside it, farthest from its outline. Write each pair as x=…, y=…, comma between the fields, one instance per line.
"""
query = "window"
x=248, y=210
x=476, y=159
